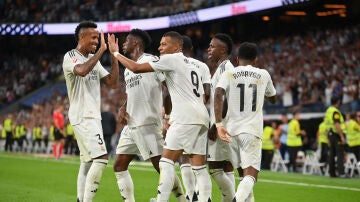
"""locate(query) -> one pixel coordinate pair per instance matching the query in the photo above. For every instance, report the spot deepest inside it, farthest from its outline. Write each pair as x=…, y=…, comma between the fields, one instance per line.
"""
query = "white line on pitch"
x=309, y=185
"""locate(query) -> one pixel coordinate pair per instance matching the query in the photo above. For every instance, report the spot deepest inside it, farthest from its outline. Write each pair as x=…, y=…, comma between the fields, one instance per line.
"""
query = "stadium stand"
x=97, y=10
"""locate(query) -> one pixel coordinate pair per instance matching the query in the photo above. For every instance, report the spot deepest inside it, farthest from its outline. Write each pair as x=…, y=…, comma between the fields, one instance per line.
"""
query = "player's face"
x=168, y=46
x=89, y=38
x=216, y=49
x=129, y=44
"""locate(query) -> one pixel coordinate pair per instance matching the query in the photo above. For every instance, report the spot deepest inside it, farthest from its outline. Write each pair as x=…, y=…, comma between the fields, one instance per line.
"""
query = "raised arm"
x=112, y=79
x=84, y=68
x=130, y=64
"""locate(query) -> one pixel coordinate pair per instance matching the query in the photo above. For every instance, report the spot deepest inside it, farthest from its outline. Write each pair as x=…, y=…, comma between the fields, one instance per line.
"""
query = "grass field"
x=29, y=178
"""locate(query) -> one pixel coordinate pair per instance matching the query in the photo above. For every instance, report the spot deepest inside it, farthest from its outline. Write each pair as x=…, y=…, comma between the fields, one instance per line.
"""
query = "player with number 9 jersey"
x=185, y=87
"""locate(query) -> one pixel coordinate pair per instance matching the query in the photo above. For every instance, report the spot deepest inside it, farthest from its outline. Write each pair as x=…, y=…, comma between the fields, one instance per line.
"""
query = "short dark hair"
x=334, y=100
x=84, y=24
x=227, y=40
x=174, y=35
x=247, y=51
x=143, y=36
x=187, y=43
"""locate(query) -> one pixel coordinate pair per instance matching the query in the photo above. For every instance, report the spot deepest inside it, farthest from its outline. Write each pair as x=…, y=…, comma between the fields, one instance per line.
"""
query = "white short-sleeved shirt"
x=185, y=87
x=203, y=70
x=144, y=90
x=225, y=65
x=246, y=87
x=83, y=92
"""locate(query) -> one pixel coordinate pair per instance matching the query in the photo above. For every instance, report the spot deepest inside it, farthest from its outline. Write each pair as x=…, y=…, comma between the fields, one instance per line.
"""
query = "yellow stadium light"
x=298, y=13
x=334, y=6
x=265, y=18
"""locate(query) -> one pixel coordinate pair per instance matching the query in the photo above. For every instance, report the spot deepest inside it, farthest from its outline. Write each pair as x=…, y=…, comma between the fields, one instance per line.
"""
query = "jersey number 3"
x=242, y=96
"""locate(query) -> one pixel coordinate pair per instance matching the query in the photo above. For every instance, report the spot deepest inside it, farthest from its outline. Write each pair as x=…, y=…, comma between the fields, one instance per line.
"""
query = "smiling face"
x=168, y=46
x=216, y=49
x=89, y=39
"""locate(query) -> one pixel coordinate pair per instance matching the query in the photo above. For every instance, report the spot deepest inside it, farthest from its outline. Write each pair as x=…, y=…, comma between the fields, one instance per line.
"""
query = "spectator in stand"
x=354, y=92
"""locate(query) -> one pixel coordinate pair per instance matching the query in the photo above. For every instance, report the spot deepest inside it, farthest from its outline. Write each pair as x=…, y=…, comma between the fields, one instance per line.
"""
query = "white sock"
x=203, y=181
x=167, y=178
x=188, y=179
x=251, y=197
x=81, y=179
x=93, y=178
x=225, y=184
x=126, y=185
x=178, y=190
x=245, y=188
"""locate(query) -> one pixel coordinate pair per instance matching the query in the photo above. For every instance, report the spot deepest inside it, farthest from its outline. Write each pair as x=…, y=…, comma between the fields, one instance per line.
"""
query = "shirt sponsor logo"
x=92, y=75
x=133, y=81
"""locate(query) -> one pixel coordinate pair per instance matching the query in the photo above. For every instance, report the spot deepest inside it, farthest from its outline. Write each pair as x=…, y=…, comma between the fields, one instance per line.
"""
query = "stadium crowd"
x=97, y=10
x=307, y=70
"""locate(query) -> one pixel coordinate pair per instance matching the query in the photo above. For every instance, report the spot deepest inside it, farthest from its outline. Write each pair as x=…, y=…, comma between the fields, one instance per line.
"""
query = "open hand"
x=113, y=43
x=223, y=134
x=103, y=46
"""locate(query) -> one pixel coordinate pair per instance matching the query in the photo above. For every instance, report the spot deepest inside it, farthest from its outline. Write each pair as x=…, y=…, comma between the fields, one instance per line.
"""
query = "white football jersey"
x=144, y=95
x=225, y=65
x=185, y=87
x=246, y=88
x=203, y=70
x=83, y=92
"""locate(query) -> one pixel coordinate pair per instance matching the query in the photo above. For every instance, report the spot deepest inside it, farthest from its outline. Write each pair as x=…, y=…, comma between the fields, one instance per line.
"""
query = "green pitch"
x=32, y=178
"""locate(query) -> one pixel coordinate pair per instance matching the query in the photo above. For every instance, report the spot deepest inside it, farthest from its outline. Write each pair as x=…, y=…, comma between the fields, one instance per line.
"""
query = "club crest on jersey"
x=186, y=60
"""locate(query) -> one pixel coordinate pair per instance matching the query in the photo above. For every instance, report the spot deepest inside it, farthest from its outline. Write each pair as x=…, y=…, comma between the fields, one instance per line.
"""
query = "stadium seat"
x=278, y=163
x=311, y=165
x=351, y=164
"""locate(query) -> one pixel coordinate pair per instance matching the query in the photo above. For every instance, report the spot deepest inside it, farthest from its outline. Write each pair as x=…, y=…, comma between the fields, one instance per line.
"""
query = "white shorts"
x=246, y=151
x=145, y=141
x=189, y=138
x=218, y=150
x=90, y=139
